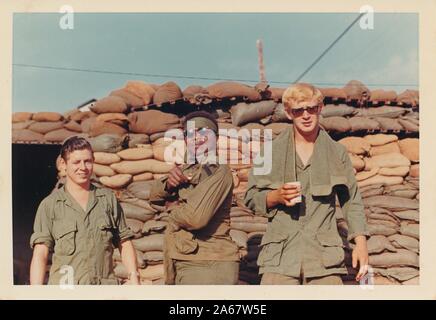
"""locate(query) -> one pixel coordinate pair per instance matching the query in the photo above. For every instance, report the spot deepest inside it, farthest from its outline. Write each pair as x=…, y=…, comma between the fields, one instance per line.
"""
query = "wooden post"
x=260, y=60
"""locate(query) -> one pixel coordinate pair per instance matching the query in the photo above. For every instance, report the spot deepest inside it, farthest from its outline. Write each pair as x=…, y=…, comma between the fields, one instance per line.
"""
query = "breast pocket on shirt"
x=332, y=254
x=105, y=230
x=65, y=237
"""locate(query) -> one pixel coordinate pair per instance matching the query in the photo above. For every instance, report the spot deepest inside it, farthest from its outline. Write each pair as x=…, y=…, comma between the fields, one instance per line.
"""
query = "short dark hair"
x=72, y=144
x=202, y=114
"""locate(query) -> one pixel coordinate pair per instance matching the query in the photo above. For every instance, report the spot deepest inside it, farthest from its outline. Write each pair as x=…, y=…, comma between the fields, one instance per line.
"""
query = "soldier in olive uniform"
x=81, y=224
x=198, y=248
x=302, y=244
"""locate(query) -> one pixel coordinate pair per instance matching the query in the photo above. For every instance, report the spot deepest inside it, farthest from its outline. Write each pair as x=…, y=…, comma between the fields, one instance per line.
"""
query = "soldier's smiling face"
x=79, y=166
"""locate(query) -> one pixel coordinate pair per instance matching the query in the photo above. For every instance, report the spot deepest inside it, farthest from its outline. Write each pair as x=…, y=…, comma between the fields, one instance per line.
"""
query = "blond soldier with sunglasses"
x=309, y=170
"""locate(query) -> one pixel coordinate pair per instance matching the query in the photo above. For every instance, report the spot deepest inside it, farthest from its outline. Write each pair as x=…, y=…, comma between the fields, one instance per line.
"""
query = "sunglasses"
x=298, y=112
x=202, y=132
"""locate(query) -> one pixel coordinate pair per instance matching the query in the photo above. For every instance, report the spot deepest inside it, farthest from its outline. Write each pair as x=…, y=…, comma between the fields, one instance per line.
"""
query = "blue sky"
x=206, y=45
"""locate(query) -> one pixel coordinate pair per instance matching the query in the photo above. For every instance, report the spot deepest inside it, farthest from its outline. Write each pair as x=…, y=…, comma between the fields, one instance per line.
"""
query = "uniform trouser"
x=276, y=278
x=206, y=272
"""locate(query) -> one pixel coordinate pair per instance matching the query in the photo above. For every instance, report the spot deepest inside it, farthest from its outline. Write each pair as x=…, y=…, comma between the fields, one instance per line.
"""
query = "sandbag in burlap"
x=135, y=212
x=414, y=171
x=106, y=158
x=116, y=181
x=402, y=241
x=363, y=175
x=378, y=95
x=391, y=147
x=408, y=125
x=110, y=104
x=47, y=117
x=387, y=160
x=355, y=145
x=379, y=243
x=380, y=229
x=357, y=162
x=99, y=128
x=389, y=124
x=391, y=203
x=190, y=93
x=152, y=242
x=115, y=118
x=167, y=92
x=398, y=273
x=337, y=124
x=356, y=90
x=409, y=97
x=407, y=215
x=138, y=138
x=409, y=147
x=46, y=126
x=140, y=189
x=153, y=257
x=143, y=177
x=335, y=93
x=243, y=113
x=383, y=112
x=107, y=143
x=73, y=126
x=26, y=135
x=410, y=229
x=82, y=115
x=363, y=123
x=152, y=121
x=21, y=116
x=380, y=139
x=136, y=154
x=341, y=110
x=22, y=125
x=87, y=123
x=142, y=90
x=398, y=171
x=131, y=100
x=59, y=135
x=154, y=226
x=101, y=170
x=395, y=259
x=228, y=89
x=141, y=166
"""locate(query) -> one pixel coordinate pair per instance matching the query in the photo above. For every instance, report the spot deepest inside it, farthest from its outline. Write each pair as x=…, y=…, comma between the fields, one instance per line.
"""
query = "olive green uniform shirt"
x=82, y=240
x=304, y=239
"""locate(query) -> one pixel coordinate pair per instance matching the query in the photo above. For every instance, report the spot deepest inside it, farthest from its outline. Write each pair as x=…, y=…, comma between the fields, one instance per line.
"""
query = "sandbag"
x=140, y=166
x=379, y=179
x=406, y=242
x=380, y=139
x=384, y=281
x=59, y=135
x=243, y=113
x=191, y=91
x=407, y=214
x=335, y=93
x=279, y=114
x=83, y=115
x=86, y=124
x=167, y=92
x=153, y=257
x=383, y=112
x=383, y=95
x=136, y=154
x=380, y=229
x=73, y=126
x=388, y=160
x=154, y=272
x=341, y=110
x=398, y=171
x=409, y=147
x=26, y=135
x=379, y=243
x=362, y=123
x=110, y=104
x=46, y=126
x=131, y=100
x=143, y=177
x=240, y=211
x=389, y=124
x=152, y=242
x=403, y=191
x=98, y=128
x=276, y=93
x=398, y=273
x=356, y=90
x=391, y=147
x=116, y=181
x=140, y=189
x=106, y=158
x=337, y=124
x=152, y=121
x=154, y=226
x=21, y=116
x=47, y=117
x=135, y=225
x=408, y=125
x=414, y=171
x=248, y=226
x=409, y=97
x=357, y=162
x=411, y=282
x=138, y=138
x=391, y=203
x=135, y=212
x=111, y=117
x=103, y=170
x=390, y=259
x=228, y=89
x=355, y=145
x=410, y=229
x=22, y=125
x=142, y=90
x=363, y=175
x=107, y=143
x=372, y=192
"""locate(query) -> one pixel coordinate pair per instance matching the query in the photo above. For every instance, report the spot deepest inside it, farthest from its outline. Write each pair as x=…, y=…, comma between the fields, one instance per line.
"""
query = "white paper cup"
x=298, y=184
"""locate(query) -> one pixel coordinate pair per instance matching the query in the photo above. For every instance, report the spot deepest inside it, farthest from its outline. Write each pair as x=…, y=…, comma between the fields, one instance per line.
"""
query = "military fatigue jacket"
x=82, y=240
x=304, y=239
x=199, y=225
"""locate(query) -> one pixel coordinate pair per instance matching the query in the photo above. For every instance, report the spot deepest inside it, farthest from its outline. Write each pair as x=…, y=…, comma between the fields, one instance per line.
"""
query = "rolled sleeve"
x=42, y=227
x=255, y=198
x=158, y=191
x=123, y=232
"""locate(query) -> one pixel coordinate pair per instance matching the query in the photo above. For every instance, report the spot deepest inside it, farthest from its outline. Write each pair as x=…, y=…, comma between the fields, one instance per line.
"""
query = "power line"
x=328, y=48
x=193, y=77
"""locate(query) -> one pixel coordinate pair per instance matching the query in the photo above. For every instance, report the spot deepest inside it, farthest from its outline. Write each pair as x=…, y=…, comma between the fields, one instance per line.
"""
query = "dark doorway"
x=34, y=176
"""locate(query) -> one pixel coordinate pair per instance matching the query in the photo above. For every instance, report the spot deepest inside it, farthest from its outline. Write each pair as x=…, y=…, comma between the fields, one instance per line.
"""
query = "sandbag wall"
x=129, y=154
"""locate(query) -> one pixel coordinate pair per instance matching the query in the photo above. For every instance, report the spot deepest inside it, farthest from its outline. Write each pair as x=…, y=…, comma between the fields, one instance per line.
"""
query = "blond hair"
x=301, y=92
